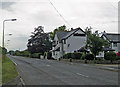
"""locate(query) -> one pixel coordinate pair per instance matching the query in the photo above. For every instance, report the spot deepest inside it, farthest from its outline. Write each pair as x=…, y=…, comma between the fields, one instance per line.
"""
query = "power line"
x=112, y=4
x=59, y=14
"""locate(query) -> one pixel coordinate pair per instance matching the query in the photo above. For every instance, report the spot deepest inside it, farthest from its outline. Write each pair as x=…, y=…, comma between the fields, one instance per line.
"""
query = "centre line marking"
x=82, y=75
x=47, y=65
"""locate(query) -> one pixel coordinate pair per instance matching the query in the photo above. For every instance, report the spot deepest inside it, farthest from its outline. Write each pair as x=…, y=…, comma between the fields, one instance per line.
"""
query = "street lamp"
x=4, y=28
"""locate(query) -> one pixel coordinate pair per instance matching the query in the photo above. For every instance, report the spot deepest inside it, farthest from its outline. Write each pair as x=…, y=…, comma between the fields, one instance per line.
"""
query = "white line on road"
x=82, y=75
x=14, y=62
x=22, y=81
x=47, y=65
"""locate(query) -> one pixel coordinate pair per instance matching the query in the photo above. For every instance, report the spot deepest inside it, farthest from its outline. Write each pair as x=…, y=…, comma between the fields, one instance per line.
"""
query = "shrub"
x=83, y=56
x=35, y=55
x=89, y=56
x=26, y=53
x=67, y=55
x=110, y=56
x=76, y=55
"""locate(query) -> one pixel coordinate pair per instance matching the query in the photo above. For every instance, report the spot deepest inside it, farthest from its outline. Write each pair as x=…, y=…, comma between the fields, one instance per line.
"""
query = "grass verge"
x=0, y=69
x=9, y=71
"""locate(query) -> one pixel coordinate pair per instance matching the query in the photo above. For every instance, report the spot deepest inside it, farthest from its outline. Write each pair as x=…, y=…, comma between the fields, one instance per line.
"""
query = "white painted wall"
x=58, y=54
x=101, y=54
x=76, y=42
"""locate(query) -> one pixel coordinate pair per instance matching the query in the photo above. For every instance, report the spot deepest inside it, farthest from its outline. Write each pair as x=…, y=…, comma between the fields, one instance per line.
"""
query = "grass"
x=8, y=70
x=0, y=69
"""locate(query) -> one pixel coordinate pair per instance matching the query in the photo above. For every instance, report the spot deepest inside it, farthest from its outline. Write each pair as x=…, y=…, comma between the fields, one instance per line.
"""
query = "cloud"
x=100, y=14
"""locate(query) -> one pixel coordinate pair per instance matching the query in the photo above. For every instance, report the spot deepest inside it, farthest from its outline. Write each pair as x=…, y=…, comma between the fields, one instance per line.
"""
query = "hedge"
x=89, y=56
x=110, y=56
x=67, y=55
x=75, y=55
x=35, y=55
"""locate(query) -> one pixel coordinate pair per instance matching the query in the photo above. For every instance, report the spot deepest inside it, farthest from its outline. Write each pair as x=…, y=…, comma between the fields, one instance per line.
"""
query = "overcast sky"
x=99, y=14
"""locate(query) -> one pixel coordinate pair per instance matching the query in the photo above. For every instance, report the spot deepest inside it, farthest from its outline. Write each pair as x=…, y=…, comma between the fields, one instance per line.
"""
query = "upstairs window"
x=114, y=44
x=64, y=41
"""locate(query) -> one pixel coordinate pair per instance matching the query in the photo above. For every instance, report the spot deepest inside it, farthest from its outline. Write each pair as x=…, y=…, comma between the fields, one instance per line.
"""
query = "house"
x=114, y=43
x=113, y=39
x=68, y=42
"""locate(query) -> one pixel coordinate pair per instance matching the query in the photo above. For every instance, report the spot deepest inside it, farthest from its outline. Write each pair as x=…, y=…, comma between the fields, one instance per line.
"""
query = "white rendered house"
x=68, y=42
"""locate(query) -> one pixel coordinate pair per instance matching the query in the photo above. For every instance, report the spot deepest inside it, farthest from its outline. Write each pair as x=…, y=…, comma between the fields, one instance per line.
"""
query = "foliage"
x=76, y=55
x=4, y=51
x=67, y=55
x=26, y=53
x=11, y=52
x=89, y=56
x=83, y=56
x=35, y=55
x=95, y=43
x=110, y=56
x=61, y=28
x=39, y=41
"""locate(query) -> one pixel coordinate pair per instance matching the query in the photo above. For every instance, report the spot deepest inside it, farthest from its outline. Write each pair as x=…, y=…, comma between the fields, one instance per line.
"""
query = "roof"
x=65, y=34
x=112, y=36
x=61, y=34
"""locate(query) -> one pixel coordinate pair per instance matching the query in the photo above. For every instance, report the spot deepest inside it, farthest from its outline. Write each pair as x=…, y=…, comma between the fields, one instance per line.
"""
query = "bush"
x=26, y=53
x=83, y=56
x=76, y=55
x=89, y=56
x=110, y=56
x=67, y=55
x=35, y=55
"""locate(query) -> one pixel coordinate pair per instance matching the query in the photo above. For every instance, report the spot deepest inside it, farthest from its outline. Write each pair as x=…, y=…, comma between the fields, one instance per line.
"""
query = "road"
x=52, y=72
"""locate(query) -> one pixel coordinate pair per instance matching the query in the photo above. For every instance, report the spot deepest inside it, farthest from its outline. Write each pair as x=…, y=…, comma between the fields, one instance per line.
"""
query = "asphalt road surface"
x=52, y=72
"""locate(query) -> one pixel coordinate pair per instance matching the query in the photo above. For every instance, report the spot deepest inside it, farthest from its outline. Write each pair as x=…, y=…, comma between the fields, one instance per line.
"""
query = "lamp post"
x=4, y=28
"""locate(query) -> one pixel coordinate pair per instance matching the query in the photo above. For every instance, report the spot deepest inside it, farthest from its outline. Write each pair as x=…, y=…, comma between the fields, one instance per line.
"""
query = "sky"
x=99, y=14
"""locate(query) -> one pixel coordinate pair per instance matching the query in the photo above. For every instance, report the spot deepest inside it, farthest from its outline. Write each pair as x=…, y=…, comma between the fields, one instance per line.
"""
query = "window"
x=53, y=52
x=114, y=44
x=64, y=41
x=68, y=45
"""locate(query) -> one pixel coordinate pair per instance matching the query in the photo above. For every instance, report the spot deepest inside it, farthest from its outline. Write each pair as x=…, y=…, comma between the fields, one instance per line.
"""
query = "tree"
x=94, y=42
x=39, y=41
x=61, y=28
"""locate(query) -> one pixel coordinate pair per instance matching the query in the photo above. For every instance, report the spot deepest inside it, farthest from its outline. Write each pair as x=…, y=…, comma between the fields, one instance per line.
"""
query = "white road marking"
x=14, y=62
x=72, y=63
x=84, y=64
x=82, y=75
x=47, y=65
x=37, y=59
x=22, y=81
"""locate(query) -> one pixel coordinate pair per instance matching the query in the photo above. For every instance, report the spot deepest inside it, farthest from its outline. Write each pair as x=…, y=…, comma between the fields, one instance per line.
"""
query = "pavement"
x=52, y=72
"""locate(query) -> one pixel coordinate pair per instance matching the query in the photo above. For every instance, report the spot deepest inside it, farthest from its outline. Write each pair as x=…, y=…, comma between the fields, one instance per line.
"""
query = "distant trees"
x=39, y=41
